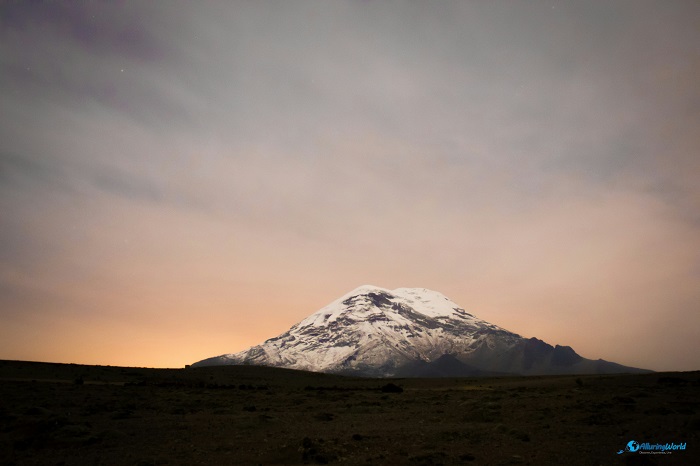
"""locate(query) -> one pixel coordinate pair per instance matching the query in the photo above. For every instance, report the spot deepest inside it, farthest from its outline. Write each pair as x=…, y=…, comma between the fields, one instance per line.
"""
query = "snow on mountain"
x=372, y=331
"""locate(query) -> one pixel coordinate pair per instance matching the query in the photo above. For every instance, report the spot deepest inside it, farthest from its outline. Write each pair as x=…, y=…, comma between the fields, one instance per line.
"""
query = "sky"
x=180, y=180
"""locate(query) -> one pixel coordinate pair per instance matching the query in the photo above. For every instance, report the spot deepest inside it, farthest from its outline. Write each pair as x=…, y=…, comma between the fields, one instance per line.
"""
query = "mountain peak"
x=373, y=331
x=363, y=289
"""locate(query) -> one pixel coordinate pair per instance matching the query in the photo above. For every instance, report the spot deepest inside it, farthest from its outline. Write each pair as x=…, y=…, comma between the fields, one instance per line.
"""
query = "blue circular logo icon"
x=632, y=446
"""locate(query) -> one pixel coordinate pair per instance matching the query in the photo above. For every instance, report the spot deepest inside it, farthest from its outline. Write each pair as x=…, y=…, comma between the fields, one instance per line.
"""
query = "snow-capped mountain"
x=373, y=331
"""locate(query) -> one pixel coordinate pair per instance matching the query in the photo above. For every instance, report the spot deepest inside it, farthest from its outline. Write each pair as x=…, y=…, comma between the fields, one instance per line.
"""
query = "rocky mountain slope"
x=409, y=332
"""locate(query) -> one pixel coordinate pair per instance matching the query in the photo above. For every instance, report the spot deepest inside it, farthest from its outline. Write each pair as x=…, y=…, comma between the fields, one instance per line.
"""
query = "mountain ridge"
x=409, y=332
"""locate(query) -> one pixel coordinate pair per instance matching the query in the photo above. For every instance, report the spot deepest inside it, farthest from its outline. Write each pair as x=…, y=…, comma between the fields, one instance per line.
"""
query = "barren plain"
x=66, y=414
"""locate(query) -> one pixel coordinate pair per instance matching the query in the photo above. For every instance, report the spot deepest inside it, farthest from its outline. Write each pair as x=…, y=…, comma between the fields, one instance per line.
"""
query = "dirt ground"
x=57, y=414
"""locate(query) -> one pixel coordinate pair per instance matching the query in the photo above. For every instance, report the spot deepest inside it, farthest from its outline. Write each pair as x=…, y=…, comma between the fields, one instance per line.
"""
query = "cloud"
x=535, y=162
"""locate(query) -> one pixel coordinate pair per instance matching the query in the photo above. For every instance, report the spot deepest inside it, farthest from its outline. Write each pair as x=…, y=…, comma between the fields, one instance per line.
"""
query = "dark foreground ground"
x=56, y=414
